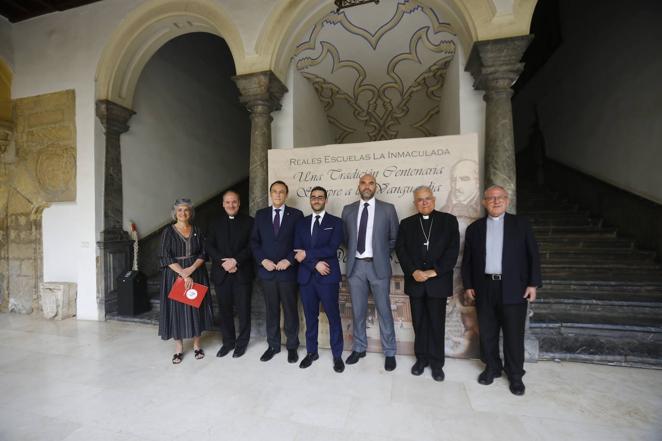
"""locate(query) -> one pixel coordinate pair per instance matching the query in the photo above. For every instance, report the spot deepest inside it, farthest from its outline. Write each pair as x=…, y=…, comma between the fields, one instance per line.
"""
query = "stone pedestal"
x=115, y=244
x=495, y=65
x=261, y=93
x=58, y=300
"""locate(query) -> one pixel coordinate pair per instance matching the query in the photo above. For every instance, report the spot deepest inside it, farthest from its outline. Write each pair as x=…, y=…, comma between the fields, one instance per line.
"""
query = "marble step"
x=565, y=222
x=583, y=254
x=571, y=293
x=594, y=242
x=605, y=344
x=578, y=231
x=597, y=311
x=631, y=264
x=651, y=280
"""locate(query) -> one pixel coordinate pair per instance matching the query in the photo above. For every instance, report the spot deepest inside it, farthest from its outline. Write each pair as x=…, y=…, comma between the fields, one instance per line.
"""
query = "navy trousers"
x=312, y=294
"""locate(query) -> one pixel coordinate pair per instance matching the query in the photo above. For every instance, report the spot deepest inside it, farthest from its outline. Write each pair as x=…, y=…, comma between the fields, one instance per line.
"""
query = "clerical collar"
x=231, y=217
x=498, y=218
x=425, y=216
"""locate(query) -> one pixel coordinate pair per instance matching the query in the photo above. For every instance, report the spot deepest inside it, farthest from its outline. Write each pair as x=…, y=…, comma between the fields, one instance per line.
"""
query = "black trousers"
x=493, y=317
x=231, y=295
x=275, y=295
x=429, y=319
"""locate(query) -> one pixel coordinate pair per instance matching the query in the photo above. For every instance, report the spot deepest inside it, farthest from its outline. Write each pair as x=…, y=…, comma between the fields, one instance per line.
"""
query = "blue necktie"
x=363, y=227
x=277, y=222
x=316, y=230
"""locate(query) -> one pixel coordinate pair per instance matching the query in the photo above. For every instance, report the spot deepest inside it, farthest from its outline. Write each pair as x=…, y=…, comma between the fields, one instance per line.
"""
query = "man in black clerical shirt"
x=427, y=247
x=228, y=245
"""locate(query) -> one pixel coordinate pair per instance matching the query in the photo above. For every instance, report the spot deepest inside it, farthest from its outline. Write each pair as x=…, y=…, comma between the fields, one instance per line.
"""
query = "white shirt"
x=312, y=222
x=494, y=244
x=368, y=231
x=273, y=213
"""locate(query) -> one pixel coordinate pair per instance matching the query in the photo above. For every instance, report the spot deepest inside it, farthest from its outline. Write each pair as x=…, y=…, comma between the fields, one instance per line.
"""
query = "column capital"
x=495, y=64
x=114, y=117
x=260, y=91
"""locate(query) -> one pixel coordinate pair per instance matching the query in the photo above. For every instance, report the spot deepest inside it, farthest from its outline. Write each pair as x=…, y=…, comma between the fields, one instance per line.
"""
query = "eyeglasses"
x=317, y=198
x=494, y=199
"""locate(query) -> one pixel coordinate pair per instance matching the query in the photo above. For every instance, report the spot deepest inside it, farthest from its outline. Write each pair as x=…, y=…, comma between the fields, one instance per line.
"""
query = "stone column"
x=115, y=243
x=495, y=65
x=261, y=93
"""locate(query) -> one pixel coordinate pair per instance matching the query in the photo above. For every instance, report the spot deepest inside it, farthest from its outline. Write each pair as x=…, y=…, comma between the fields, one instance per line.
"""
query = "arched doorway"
x=171, y=65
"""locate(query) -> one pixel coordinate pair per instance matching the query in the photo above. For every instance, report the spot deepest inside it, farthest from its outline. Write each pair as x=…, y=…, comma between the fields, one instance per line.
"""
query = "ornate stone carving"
x=6, y=135
x=56, y=171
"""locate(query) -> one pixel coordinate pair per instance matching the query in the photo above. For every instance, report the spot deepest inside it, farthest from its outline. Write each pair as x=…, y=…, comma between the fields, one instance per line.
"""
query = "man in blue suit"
x=316, y=241
x=272, y=243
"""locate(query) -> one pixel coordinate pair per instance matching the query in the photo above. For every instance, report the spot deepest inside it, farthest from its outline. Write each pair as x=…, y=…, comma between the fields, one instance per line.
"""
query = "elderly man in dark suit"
x=272, y=243
x=316, y=241
x=232, y=272
x=371, y=229
x=427, y=247
x=501, y=271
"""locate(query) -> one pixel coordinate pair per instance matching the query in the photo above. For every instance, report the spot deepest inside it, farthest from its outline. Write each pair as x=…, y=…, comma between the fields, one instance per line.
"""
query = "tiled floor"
x=78, y=380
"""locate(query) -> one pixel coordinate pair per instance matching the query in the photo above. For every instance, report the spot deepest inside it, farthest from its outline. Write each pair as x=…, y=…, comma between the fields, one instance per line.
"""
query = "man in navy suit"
x=316, y=241
x=501, y=271
x=272, y=243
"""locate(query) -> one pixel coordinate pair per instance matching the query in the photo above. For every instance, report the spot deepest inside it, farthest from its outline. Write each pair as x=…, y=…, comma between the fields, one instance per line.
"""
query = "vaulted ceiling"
x=379, y=69
x=18, y=10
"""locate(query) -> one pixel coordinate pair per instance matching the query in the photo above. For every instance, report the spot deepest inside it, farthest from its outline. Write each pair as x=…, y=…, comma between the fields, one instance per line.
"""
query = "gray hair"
x=423, y=187
x=182, y=201
x=496, y=187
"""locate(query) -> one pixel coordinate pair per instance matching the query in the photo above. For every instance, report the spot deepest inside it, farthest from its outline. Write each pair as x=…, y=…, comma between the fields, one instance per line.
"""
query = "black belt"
x=493, y=276
x=365, y=259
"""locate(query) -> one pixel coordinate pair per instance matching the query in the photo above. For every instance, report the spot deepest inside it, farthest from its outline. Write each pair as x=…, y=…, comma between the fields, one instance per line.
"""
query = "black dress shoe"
x=238, y=352
x=338, y=365
x=517, y=387
x=418, y=367
x=354, y=357
x=438, y=374
x=268, y=354
x=292, y=356
x=389, y=363
x=487, y=376
x=308, y=360
x=225, y=350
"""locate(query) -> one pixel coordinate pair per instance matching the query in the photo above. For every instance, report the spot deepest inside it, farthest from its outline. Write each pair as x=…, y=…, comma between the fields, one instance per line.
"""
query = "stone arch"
x=472, y=21
x=148, y=28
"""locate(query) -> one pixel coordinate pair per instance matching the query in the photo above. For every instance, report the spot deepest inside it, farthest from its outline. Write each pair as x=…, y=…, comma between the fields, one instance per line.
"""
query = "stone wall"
x=37, y=168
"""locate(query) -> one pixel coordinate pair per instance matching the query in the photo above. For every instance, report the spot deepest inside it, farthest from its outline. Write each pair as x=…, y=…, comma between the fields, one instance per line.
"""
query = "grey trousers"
x=362, y=281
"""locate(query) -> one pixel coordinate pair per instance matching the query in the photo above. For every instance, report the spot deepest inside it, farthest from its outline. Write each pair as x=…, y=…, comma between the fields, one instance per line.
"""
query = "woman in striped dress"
x=182, y=255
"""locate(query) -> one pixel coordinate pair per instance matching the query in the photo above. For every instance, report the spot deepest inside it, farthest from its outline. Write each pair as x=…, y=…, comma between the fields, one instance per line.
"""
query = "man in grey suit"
x=371, y=229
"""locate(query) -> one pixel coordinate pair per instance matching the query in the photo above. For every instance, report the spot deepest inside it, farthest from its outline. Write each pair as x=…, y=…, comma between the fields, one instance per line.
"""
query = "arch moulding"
x=149, y=27
x=472, y=20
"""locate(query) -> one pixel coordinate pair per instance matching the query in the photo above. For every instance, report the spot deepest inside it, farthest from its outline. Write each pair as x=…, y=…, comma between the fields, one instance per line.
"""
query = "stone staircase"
x=601, y=300
x=149, y=250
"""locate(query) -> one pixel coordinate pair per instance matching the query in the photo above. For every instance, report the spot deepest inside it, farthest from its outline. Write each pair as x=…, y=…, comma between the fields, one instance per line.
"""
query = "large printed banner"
x=447, y=164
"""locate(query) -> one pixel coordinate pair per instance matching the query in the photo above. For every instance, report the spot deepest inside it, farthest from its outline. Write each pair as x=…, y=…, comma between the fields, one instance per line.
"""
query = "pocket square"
x=328, y=228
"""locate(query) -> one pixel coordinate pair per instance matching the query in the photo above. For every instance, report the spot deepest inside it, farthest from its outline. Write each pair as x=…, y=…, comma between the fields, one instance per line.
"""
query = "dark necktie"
x=277, y=222
x=363, y=227
x=316, y=230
